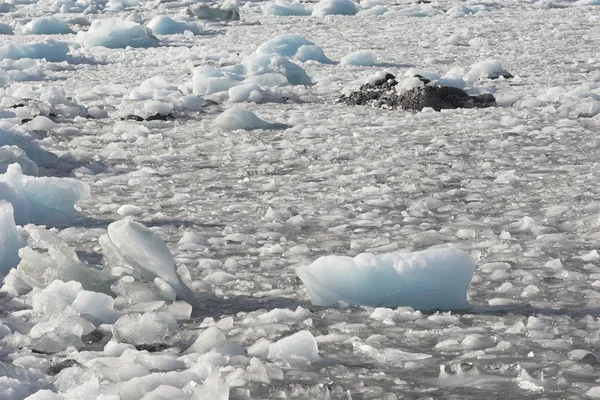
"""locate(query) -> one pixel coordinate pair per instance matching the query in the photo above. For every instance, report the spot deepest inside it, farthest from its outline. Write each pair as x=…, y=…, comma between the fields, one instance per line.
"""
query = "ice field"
x=187, y=210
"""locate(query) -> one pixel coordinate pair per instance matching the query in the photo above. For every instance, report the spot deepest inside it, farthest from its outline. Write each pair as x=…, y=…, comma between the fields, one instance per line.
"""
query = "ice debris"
x=428, y=279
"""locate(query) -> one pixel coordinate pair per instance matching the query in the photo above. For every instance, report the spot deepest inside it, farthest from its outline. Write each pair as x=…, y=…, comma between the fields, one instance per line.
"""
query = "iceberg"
x=116, y=34
x=9, y=239
x=50, y=200
x=428, y=279
x=142, y=254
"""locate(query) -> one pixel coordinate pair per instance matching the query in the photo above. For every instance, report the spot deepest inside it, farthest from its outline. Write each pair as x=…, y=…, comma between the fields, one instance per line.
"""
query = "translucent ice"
x=135, y=248
x=335, y=7
x=290, y=45
x=360, y=58
x=51, y=200
x=13, y=154
x=148, y=328
x=285, y=8
x=11, y=135
x=9, y=238
x=236, y=118
x=301, y=345
x=163, y=25
x=428, y=279
x=116, y=34
x=51, y=50
x=47, y=26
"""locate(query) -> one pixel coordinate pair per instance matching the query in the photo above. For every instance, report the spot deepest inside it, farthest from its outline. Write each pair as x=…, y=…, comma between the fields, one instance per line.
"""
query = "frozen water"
x=163, y=25
x=236, y=118
x=290, y=45
x=364, y=58
x=427, y=279
x=50, y=200
x=514, y=186
x=115, y=33
x=140, y=252
x=16, y=155
x=10, y=243
x=335, y=7
x=46, y=26
x=285, y=8
x=50, y=50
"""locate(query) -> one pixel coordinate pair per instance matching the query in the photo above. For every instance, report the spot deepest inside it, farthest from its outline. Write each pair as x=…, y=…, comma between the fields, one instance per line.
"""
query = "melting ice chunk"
x=135, y=248
x=9, y=238
x=116, y=34
x=51, y=200
x=429, y=279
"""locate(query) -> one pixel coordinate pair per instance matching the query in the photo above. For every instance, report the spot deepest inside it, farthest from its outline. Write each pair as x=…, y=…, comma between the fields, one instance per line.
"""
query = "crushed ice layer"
x=428, y=279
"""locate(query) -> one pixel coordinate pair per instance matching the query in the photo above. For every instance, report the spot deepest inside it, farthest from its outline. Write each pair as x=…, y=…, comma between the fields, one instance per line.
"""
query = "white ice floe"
x=164, y=25
x=10, y=242
x=285, y=8
x=335, y=7
x=296, y=46
x=16, y=155
x=49, y=200
x=116, y=33
x=51, y=50
x=47, y=26
x=363, y=58
x=236, y=118
x=135, y=249
x=426, y=279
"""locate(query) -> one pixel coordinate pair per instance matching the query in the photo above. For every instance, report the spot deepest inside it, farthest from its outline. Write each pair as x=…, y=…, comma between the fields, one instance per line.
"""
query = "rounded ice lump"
x=428, y=279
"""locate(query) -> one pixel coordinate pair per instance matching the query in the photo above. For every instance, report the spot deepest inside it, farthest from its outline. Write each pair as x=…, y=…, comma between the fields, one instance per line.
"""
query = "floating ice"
x=335, y=7
x=6, y=29
x=285, y=8
x=259, y=64
x=11, y=135
x=300, y=345
x=236, y=118
x=163, y=25
x=428, y=279
x=47, y=258
x=136, y=249
x=289, y=45
x=229, y=11
x=116, y=34
x=488, y=69
x=16, y=155
x=51, y=200
x=50, y=50
x=148, y=328
x=364, y=58
x=47, y=26
x=10, y=243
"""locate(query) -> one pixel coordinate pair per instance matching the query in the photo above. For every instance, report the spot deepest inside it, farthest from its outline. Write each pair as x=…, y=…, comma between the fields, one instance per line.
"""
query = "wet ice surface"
x=515, y=186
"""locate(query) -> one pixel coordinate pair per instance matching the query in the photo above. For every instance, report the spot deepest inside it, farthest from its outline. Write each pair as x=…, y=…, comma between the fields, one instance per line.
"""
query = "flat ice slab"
x=428, y=279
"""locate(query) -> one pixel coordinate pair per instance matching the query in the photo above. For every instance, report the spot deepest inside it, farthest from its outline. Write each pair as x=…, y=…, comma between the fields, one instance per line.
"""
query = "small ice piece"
x=51, y=50
x=10, y=243
x=163, y=25
x=13, y=154
x=285, y=8
x=236, y=118
x=257, y=65
x=128, y=209
x=138, y=250
x=300, y=345
x=148, y=328
x=290, y=45
x=209, y=339
x=50, y=25
x=41, y=123
x=115, y=33
x=11, y=135
x=52, y=200
x=428, y=279
x=488, y=69
x=362, y=58
x=6, y=29
x=241, y=93
x=335, y=7
x=96, y=307
x=214, y=388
